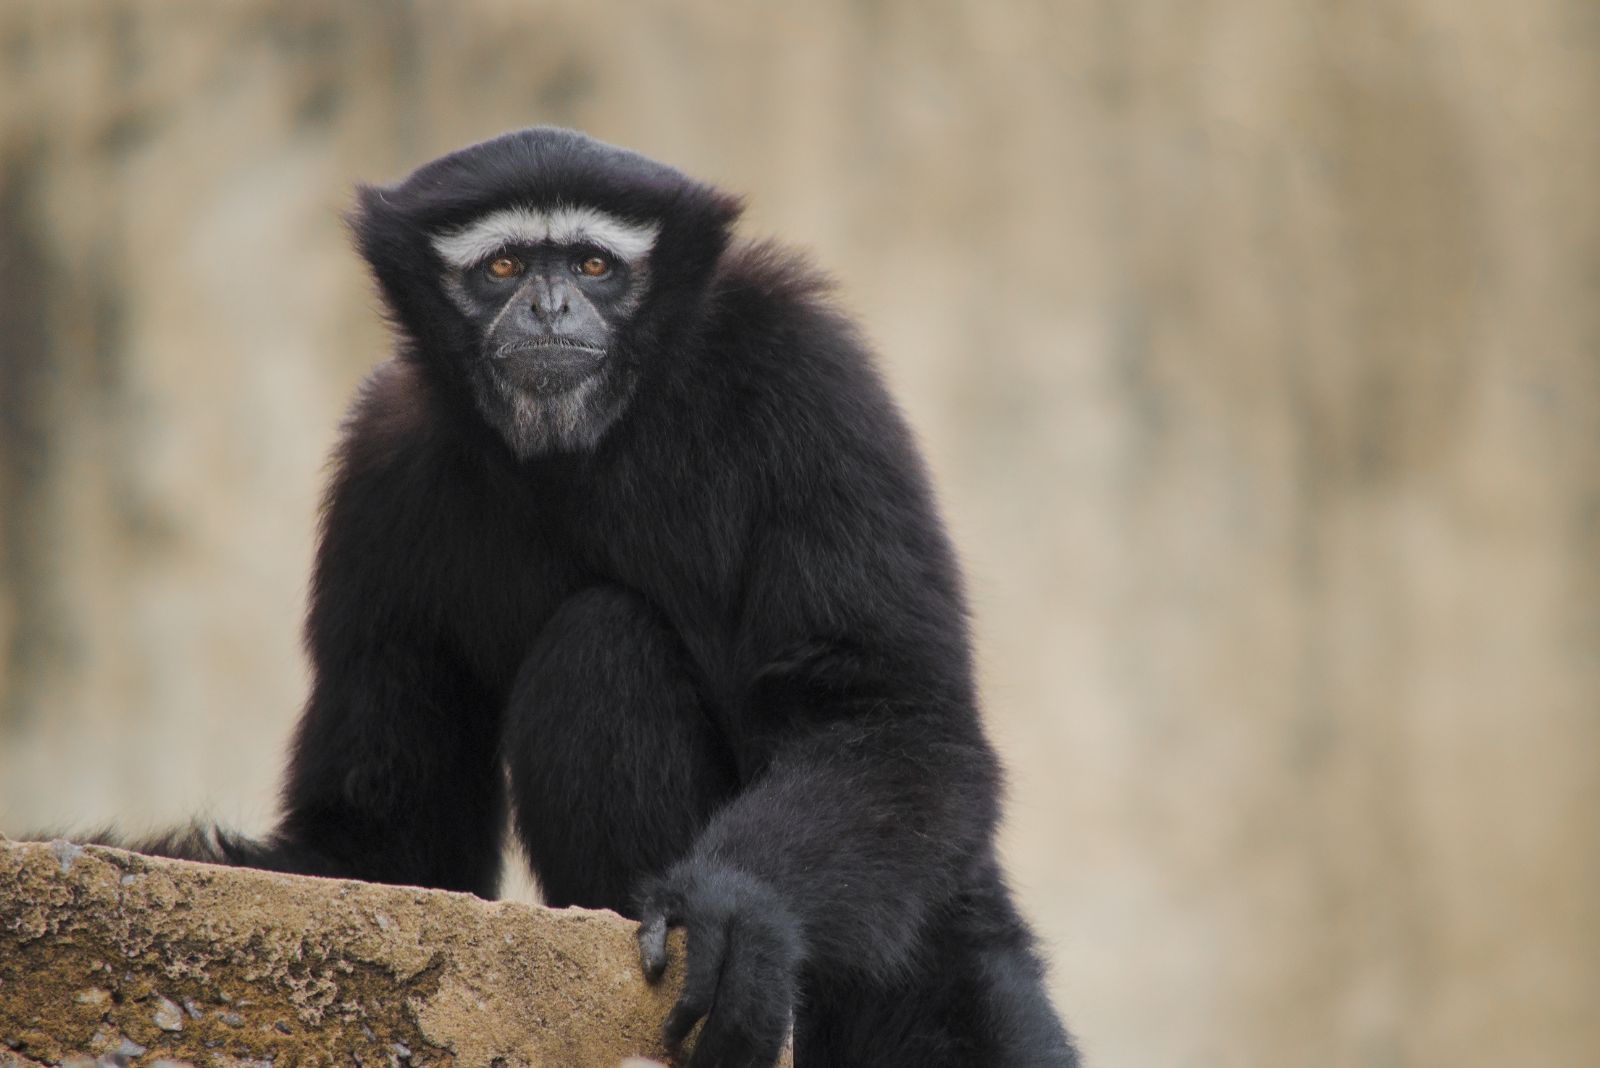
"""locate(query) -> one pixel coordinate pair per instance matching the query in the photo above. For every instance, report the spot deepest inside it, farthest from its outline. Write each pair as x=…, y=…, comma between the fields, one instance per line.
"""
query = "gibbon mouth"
x=558, y=348
x=546, y=367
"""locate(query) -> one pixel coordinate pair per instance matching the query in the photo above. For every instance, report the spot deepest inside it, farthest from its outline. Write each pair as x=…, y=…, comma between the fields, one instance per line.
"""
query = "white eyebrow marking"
x=563, y=224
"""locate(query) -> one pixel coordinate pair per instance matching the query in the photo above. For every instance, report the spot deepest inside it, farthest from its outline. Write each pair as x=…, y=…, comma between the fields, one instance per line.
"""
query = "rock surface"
x=112, y=956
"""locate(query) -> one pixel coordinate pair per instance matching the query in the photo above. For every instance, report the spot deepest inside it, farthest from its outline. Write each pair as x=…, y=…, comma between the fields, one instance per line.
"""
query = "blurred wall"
x=1255, y=345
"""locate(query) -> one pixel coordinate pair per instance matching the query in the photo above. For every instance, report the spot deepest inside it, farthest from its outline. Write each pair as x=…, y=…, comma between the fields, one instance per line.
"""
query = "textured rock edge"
x=117, y=957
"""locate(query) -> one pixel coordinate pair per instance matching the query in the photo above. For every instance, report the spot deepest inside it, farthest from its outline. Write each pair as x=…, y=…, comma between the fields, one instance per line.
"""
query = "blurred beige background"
x=1255, y=345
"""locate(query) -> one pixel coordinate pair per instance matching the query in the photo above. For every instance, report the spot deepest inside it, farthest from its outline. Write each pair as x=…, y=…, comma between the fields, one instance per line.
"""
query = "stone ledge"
x=115, y=957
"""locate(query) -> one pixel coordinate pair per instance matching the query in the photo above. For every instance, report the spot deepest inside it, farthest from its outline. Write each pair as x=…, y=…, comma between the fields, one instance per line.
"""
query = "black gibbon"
x=629, y=523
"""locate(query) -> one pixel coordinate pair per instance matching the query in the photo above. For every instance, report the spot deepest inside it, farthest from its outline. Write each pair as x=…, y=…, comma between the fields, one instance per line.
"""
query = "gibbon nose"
x=550, y=300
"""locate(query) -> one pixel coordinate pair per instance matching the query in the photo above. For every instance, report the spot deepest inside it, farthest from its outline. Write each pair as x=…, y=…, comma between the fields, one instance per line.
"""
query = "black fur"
x=723, y=654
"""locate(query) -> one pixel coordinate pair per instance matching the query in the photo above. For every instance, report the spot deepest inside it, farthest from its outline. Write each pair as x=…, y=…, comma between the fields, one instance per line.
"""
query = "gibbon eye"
x=505, y=267
x=594, y=267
